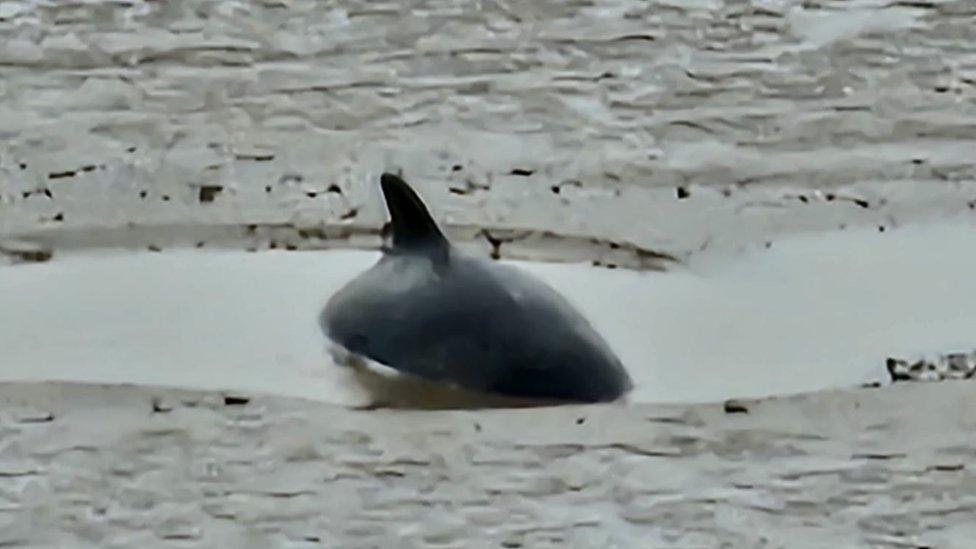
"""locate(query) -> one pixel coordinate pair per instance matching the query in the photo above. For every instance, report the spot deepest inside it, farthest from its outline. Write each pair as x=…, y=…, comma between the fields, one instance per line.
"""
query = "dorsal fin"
x=414, y=230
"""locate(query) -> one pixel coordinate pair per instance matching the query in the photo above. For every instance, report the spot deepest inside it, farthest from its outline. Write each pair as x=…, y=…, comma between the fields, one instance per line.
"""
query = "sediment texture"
x=91, y=466
x=671, y=126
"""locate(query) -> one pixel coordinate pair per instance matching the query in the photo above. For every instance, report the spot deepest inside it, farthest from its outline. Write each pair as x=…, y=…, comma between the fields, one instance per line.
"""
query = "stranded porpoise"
x=427, y=309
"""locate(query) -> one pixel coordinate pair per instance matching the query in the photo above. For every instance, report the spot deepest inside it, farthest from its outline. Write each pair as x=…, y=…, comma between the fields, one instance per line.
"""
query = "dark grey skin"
x=427, y=309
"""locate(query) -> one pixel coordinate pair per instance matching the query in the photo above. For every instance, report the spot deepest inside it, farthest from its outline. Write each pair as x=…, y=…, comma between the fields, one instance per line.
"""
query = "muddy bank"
x=87, y=465
x=668, y=126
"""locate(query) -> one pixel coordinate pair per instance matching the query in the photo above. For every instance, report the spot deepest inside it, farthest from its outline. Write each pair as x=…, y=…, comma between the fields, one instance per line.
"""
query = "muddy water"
x=809, y=313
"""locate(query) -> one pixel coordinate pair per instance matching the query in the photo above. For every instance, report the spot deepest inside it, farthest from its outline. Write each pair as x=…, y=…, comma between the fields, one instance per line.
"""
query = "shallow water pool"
x=808, y=313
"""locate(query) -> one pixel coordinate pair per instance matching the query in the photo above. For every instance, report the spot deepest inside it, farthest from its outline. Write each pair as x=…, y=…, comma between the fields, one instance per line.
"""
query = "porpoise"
x=429, y=310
